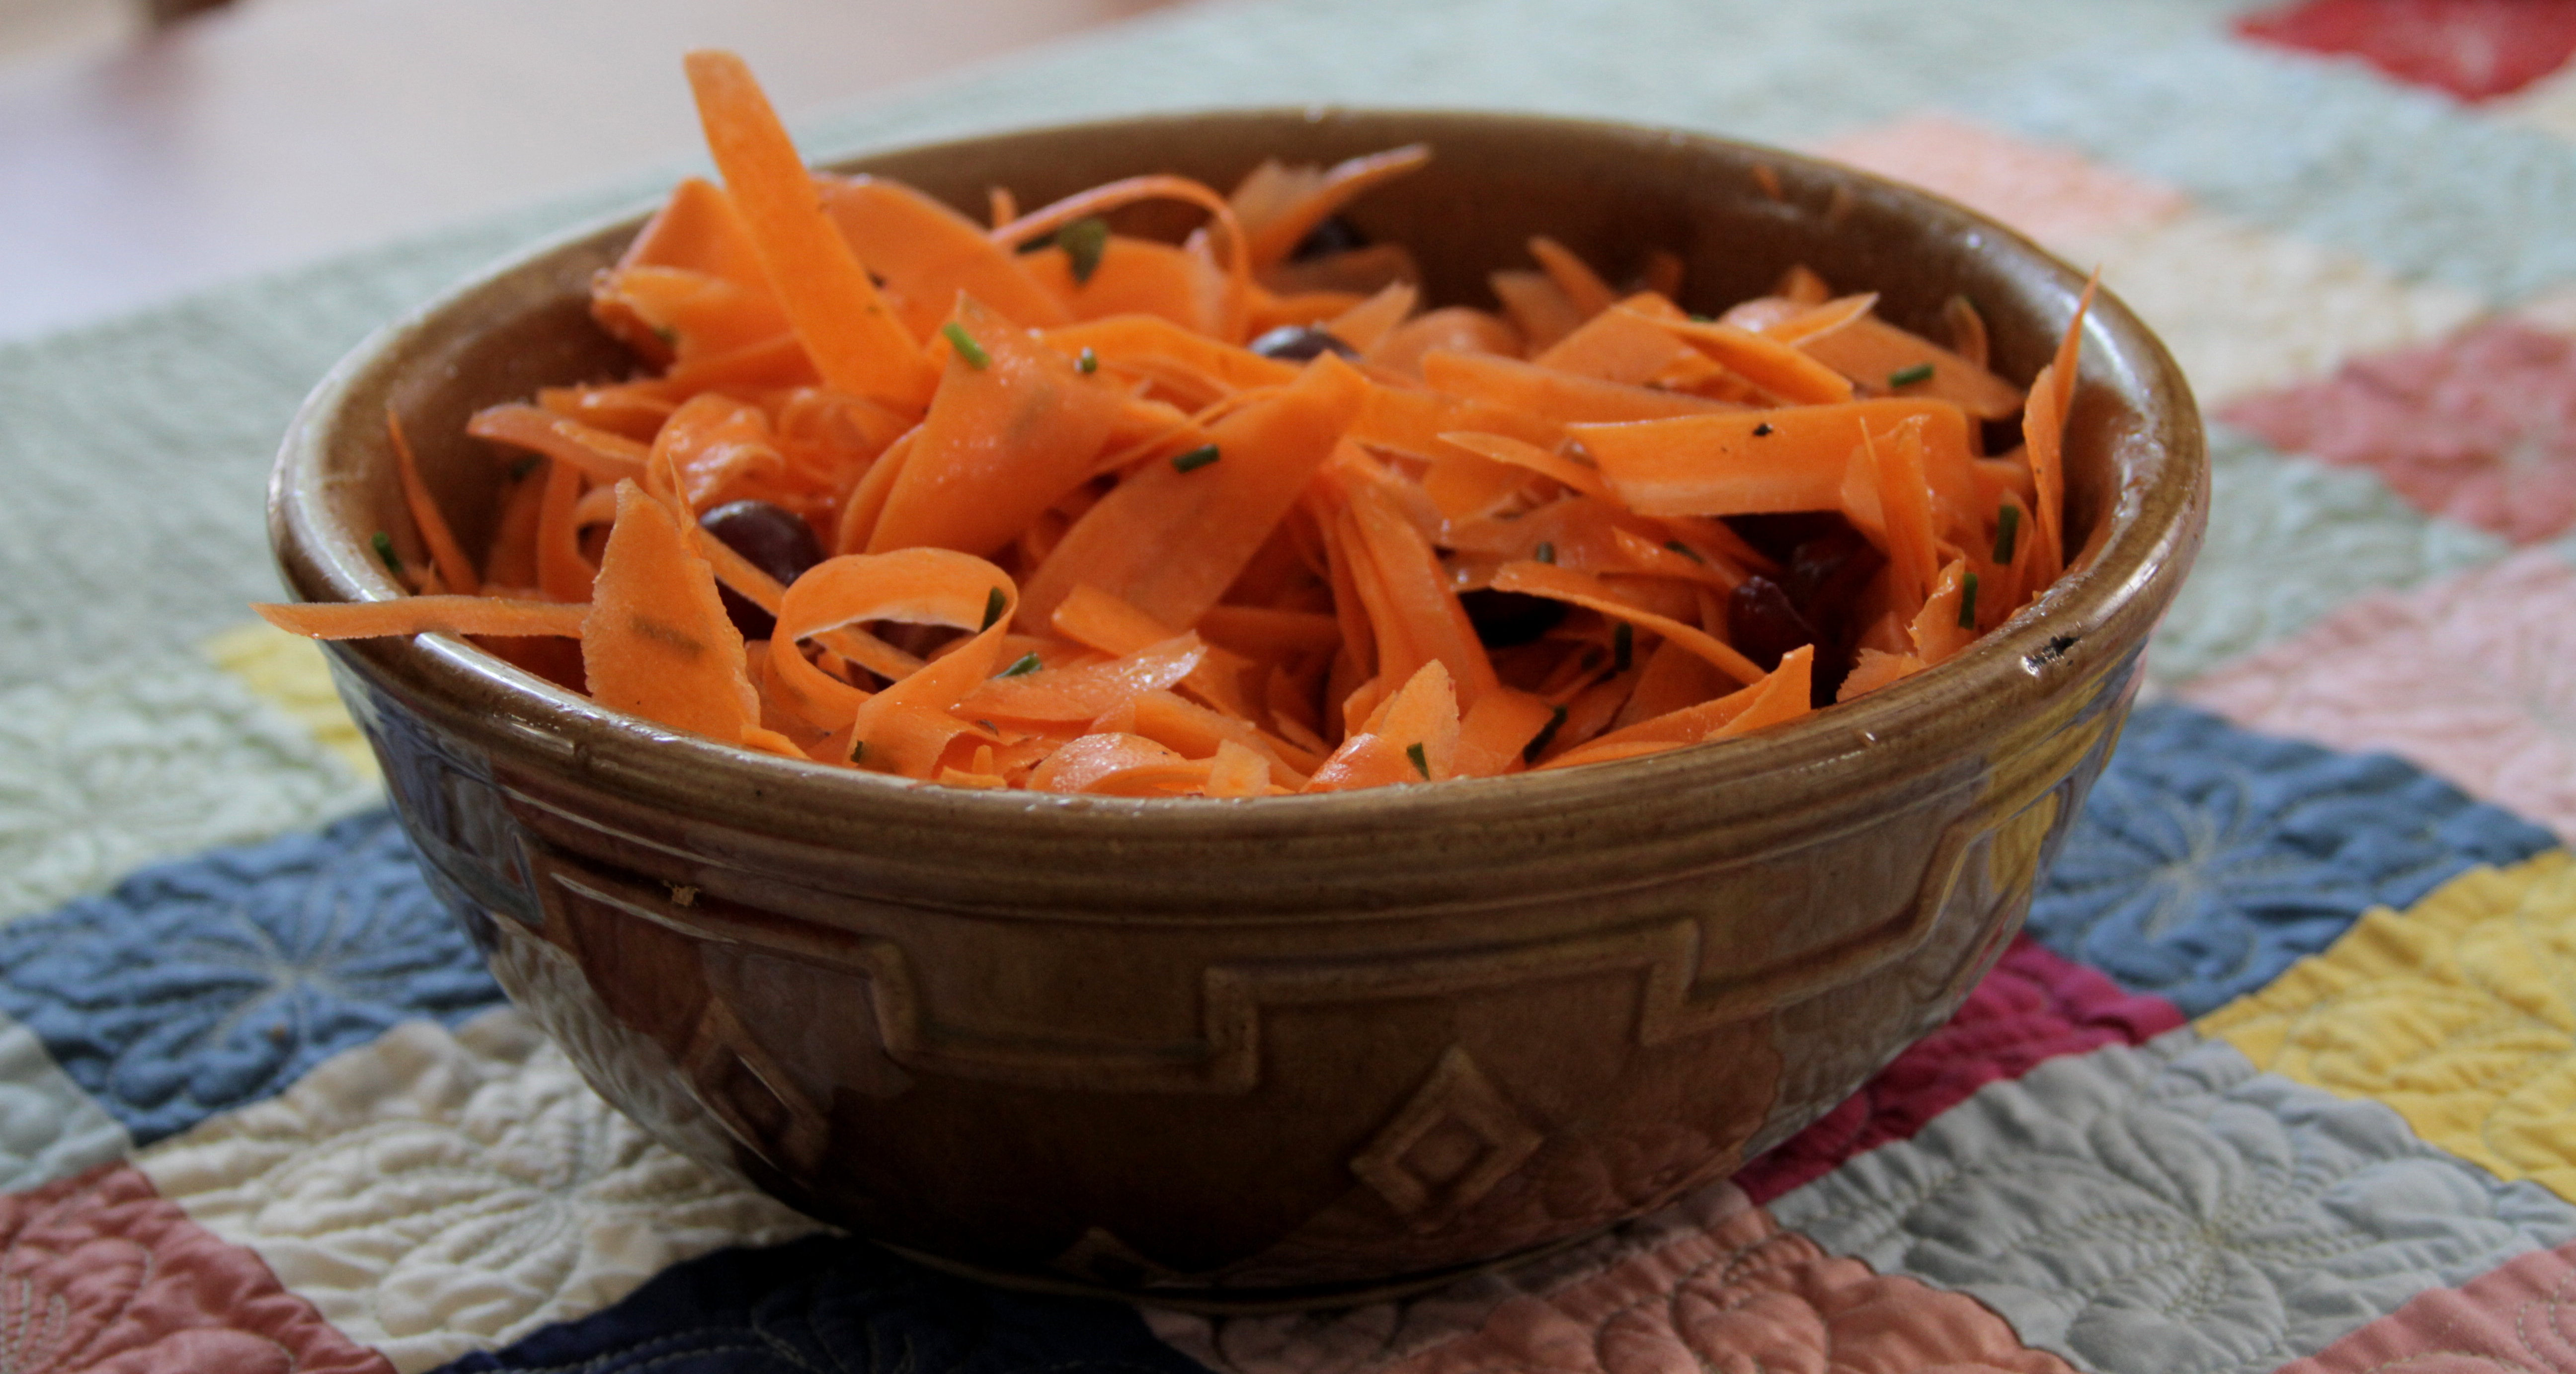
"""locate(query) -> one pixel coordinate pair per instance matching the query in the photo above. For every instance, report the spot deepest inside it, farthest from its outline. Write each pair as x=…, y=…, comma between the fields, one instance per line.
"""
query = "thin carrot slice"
x=1278, y=234
x=1413, y=738
x=1582, y=589
x=1905, y=503
x=1503, y=448
x=1814, y=322
x=1744, y=462
x=1874, y=669
x=1778, y=698
x=1116, y=340
x=1006, y=437
x=607, y=458
x=562, y=572
x=1622, y=345
x=1497, y=730
x=2043, y=427
x=424, y=615
x=1169, y=540
x=1364, y=324
x=928, y=253
x=454, y=568
x=1238, y=771
x=1455, y=328
x=1536, y=306
x=1140, y=277
x=1765, y=361
x=1583, y=287
x=1089, y=760
x=1057, y=695
x=845, y=325
x=1936, y=630
x=1100, y=200
x=1412, y=423
x=1875, y=353
x=1266, y=630
x=1416, y=589
x=1558, y=396
x=657, y=642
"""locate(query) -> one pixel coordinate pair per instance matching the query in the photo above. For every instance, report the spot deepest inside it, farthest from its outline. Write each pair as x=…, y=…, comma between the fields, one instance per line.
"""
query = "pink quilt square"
x=2047, y=193
x=2033, y=1007
x=2517, y=1318
x=98, y=1273
x=2473, y=49
x=2472, y=677
x=2480, y=426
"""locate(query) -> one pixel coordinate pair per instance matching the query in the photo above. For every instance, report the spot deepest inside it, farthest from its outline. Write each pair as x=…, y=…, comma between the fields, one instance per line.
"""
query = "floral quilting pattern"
x=2169, y=1209
x=2460, y=1013
x=2050, y=194
x=1739, y=1294
x=98, y=1273
x=2472, y=677
x=435, y=1193
x=290, y=672
x=2480, y=426
x=109, y=770
x=2034, y=1006
x=2209, y=858
x=2517, y=1318
x=2289, y=541
x=827, y=1303
x=200, y=985
x=49, y=1128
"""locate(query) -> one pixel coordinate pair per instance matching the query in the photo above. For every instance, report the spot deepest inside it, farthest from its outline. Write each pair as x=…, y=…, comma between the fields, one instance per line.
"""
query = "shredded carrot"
x=1023, y=507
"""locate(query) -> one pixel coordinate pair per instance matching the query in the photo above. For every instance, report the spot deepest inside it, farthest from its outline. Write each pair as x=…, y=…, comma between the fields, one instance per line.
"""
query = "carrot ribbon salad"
x=1038, y=503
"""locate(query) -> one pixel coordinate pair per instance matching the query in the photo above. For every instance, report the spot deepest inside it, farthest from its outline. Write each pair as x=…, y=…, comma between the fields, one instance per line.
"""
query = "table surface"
x=2282, y=1073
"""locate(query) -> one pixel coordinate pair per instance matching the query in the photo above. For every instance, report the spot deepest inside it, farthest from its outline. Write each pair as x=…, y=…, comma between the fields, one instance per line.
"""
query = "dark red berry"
x=771, y=538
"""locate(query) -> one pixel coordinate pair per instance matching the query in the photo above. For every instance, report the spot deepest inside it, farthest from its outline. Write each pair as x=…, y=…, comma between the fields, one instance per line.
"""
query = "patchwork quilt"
x=2280, y=1076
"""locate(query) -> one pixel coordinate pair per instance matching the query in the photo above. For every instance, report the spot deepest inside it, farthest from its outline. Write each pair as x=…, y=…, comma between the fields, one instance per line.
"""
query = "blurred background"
x=150, y=147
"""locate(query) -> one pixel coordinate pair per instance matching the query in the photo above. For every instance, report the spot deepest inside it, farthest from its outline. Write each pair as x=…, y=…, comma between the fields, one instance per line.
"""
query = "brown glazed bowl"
x=1290, y=1050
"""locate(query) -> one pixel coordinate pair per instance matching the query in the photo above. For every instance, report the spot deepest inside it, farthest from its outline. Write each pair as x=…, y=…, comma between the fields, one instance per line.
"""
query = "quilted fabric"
x=202, y=985
x=434, y=1194
x=98, y=1274
x=2346, y=216
x=2211, y=857
x=154, y=759
x=2472, y=677
x=2458, y=1014
x=2168, y=1208
x=838, y=1305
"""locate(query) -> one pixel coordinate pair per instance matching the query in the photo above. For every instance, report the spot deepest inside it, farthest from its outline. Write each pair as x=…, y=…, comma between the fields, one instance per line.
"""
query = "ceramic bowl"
x=1289, y=1050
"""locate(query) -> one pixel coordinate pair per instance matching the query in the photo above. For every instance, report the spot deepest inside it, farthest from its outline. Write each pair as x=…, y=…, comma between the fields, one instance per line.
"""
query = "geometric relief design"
x=2167, y=1208
x=2479, y=426
x=201, y=985
x=2460, y=1013
x=2518, y=1318
x=840, y=1305
x=49, y=1128
x=435, y=1193
x=97, y=1273
x=2289, y=542
x=2472, y=677
x=2210, y=858
x=1448, y=1146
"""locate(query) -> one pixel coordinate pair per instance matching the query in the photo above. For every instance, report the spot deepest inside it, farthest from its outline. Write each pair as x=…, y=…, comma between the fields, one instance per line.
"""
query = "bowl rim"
x=2128, y=568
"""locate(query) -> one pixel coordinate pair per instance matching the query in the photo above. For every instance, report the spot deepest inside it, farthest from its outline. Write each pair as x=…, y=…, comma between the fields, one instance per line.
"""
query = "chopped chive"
x=1968, y=603
x=1421, y=764
x=1762, y=430
x=1027, y=664
x=1087, y=361
x=524, y=466
x=1545, y=552
x=1195, y=459
x=1546, y=735
x=1908, y=376
x=2007, y=526
x=1623, y=646
x=1684, y=550
x=1703, y=319
x=385, y=550
x=993, y=603
x=670, y=337
x=1083, y=241
x=967, y=348
x=858, y=750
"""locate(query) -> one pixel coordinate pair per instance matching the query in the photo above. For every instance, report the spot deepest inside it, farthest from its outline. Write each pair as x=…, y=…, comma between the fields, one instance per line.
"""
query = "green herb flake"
x=1421, y=764
x=858, y=750
x=384, y=544
x=1684, y=550
x=1968, y=603
x=1908, y=376
x=1545, y=552
x=966, y=346
x=1087, y=361
x=520, y=469
x=1195, y=459
x=2007, y=531
x=1546, y=735
x=670, y=337
x=1083, y=242
x=1623, y=646
x=1027, y=664
x=994, y=603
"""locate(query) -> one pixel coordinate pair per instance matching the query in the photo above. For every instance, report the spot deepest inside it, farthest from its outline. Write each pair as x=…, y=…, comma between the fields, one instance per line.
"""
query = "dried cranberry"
x=1334, y=235
x=1761, y=622
x=1503, y=619
x=1297, y=343
x=771, y=538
